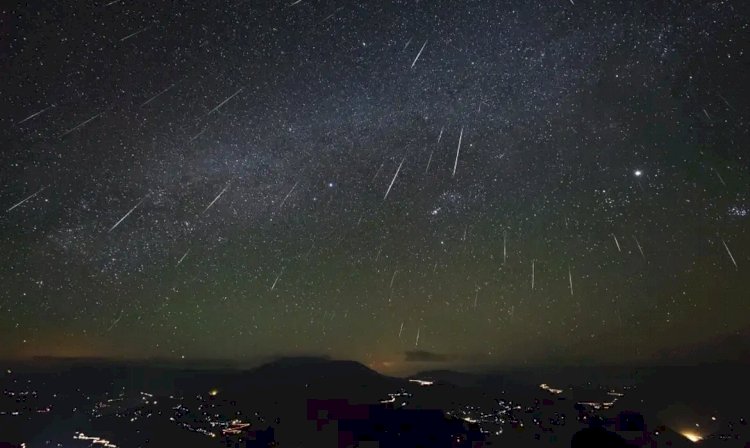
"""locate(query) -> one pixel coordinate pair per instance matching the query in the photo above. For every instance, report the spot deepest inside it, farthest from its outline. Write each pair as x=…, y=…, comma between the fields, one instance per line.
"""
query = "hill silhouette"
x=313, y=369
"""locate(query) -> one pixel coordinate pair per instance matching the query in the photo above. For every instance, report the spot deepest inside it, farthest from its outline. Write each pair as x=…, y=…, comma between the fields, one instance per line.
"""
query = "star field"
x=495, y=182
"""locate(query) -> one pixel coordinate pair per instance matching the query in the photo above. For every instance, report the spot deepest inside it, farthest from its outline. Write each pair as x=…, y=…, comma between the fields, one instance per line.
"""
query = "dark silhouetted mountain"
x=312, y=370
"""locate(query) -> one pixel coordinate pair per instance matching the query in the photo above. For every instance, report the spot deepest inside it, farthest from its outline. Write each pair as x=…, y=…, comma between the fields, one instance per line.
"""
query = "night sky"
x=474, y=182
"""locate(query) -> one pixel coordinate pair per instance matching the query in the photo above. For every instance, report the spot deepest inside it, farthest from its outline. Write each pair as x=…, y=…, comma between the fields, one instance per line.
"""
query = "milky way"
x=494, y=182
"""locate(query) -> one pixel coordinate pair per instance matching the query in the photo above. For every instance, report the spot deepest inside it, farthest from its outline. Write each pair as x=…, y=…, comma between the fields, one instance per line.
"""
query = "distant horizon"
x=405, y=369
x=733, y=348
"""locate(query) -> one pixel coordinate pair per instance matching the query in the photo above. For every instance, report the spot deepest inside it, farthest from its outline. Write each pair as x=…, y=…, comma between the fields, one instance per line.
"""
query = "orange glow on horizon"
x=58, y=346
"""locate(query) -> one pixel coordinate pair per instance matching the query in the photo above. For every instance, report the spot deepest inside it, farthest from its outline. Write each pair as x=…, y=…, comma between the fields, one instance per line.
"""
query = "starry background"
x=291, y=182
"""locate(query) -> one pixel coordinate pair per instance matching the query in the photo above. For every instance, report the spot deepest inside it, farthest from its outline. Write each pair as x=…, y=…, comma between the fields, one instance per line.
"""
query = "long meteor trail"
x=33, y=115
x=215, y=199
x=158, y=95
x=729, y=252
x=419, y=54
x=183, y=257
x=394, y=178
x=277, y=279
x=80, y=125
x=133, y=34
x=640, y=249
x=115, y=321
x=126, y=215
x=458, y=151
x=570, y=281
x=225, y=101
x=288, y=194
x=25, y=199
x=617, y=243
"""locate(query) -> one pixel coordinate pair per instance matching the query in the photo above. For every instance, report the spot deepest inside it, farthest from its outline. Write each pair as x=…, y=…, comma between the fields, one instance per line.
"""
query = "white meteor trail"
x=158, y=95
x=725, y=101
x=377, y=172
x=458, y=151
x=277, y=280
x=416, y=343
x=309, y=251
x=24, y=199
x=532, y=275
x=428, y=163
x=400, y=330
x=34, y=115
x=617, y=243
x=393, y=278
x=730, y=253
x=80, y=125
x=505, y=248
x=419, y=54
x=570, y=281
x=440, y=136
x=198, y=134
x=640, y=249
x=288, y=194
x=226, y=100
x=721, y=179
x=133, y=34
x=216, y=199
x=183, y=257
x=126, y=215
x=115, y=321
x=329, y=16
x=394, y=178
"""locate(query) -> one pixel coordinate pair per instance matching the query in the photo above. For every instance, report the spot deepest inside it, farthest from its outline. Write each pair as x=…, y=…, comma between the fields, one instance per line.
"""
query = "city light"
x=422, y=382
x=692, y=436
x=550, y=389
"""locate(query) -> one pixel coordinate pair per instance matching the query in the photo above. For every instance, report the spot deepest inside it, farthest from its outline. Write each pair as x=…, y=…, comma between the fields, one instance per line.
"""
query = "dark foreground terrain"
x=313, y=402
